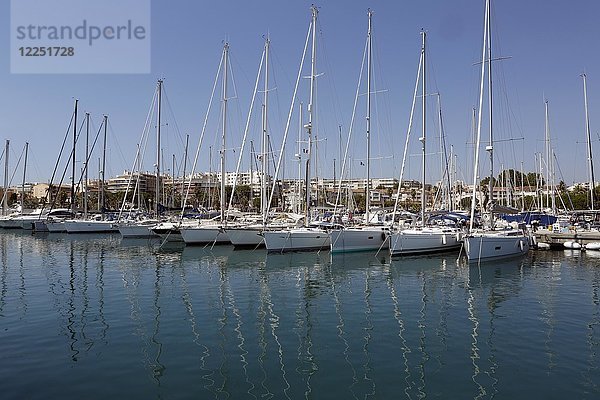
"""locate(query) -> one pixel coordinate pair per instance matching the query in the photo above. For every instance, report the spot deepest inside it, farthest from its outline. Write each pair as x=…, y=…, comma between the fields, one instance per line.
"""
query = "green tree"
x=360, y=202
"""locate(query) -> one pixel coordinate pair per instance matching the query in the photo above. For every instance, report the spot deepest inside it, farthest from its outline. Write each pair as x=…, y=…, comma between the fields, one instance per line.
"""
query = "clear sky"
x=549, y=42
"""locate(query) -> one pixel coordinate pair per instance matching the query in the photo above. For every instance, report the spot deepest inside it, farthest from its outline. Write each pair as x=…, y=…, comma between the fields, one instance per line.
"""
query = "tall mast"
x=479, y=116
x=452, y=181
x=263, y=182
x=522, y=188
x=299, y=185
x=5, y=194
x=490, y=147
x=550, y=198
x=23, y=182
x=102, y=180
x=157, y=187
x=187, y=140
x=514, y=188
x=172, y=202
x=210, y=188
x=252, y=175
x=87, y=157
x=422, y=138
x=369, y=75
x=99, y=179
x=455, y=187
x=224, y=93
x=445, y=197
x=73, y=158
x=476, y=161
x=340, y=162
x=589, y=142
x=309, y=125
x=163, y=169
x=138, y=169
x=538, y=181
x=553, y=181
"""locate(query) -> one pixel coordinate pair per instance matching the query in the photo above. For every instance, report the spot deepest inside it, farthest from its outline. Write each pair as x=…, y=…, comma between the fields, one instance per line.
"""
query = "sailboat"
x=590, y=154
x=203, y=232
x=308, y=237
x=142, y=228
x=17, y=219
x=248, y=233
x=57, y=224
x=98, y=223
x=7, y=221
x=490, y=243
x=423, y=238
x=369, y=236
x=546, y=214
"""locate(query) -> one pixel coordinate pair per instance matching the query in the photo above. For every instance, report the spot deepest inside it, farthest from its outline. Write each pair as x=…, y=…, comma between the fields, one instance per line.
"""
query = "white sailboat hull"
x=299, y=239
x=246, y=236
x=28, y=221
x=424, y=241
x=200, y=235
x=368, y=238
x=492, y=245
x=19, y=222
x=168, y=231
x=81, y=226
x=10, y=223
x=137, y=229
x=55, y=226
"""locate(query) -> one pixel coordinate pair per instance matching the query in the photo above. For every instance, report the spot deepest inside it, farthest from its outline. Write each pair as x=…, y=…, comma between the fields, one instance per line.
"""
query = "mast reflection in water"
x=95, y=317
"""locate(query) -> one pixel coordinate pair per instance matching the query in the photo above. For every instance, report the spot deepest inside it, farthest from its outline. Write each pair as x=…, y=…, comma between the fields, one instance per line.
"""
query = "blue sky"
x=550, y=44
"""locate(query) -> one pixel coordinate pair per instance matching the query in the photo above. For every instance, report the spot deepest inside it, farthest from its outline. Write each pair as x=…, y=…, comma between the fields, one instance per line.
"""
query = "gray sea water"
x=97, y=317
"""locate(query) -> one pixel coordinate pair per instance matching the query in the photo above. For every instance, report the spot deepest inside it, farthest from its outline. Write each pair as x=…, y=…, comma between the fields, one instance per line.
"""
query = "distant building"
x=41, y=190
x=145, y=181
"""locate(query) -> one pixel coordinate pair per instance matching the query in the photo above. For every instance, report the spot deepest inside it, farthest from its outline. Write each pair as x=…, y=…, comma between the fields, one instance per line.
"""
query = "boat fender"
x=572, y=245
x=383, y=236
x=593, y=246
x=543, y=246
x=444, y=239
x=521, y=246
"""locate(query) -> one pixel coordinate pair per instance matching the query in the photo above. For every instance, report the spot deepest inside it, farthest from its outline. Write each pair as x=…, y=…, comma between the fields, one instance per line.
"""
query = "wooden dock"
x=556, y=239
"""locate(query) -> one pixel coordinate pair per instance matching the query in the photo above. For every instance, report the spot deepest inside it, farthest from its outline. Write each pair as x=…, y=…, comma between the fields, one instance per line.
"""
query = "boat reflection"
x=4, y=271
x=489, y=285
x=244, y=323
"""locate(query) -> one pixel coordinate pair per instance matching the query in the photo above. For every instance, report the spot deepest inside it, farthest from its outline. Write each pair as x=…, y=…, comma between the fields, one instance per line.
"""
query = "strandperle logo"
x=80, y=36
x=85, y=32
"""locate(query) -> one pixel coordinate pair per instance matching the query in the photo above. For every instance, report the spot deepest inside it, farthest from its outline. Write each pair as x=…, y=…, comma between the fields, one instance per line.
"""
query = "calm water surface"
x=98, y=317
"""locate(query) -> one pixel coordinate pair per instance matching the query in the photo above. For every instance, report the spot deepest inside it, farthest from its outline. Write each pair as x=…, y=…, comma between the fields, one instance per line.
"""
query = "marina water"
x=99, y=317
